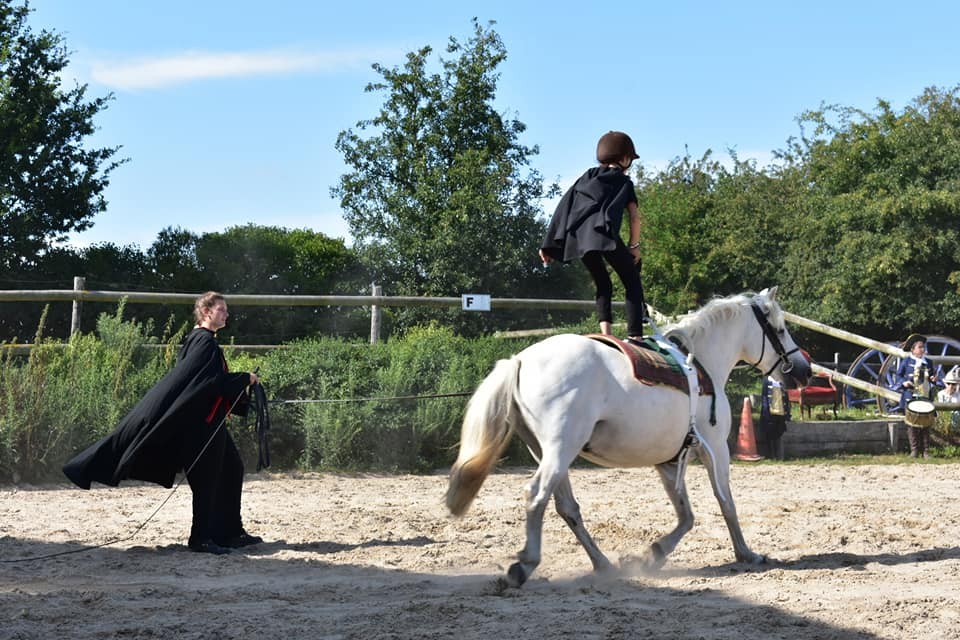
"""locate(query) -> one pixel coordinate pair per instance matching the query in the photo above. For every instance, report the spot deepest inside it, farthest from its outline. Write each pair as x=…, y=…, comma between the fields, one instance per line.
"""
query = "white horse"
x=570, y=396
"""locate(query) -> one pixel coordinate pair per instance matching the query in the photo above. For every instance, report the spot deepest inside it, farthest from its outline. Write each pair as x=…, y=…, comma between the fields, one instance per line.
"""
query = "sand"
x=855, y=552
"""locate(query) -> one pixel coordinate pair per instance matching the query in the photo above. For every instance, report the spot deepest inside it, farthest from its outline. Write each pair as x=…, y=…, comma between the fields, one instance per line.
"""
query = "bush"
x=66, y=395
x=335, y=404
x=395, y=406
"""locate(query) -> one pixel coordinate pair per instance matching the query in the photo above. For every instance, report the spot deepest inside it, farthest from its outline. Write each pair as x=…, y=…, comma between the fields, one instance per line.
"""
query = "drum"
x=920, y=413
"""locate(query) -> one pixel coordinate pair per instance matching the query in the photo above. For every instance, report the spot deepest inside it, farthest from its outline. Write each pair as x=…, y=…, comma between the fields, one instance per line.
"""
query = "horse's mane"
x=716, y=310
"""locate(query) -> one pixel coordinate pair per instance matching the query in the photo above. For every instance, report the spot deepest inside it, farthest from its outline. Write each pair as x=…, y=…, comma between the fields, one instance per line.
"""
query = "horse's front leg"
x=717, y=462
x=569, y=510
x=677, y=492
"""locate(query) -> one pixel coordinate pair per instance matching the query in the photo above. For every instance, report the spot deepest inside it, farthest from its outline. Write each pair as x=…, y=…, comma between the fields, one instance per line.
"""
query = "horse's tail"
x=490, y=420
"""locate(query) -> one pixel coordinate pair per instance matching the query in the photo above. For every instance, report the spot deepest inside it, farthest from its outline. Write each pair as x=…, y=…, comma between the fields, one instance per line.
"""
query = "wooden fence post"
x=375, y=314
x=79, y=284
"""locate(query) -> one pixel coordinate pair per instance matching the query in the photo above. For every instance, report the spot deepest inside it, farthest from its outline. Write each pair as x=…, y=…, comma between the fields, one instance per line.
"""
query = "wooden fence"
x=375, y=301
x=78, y=295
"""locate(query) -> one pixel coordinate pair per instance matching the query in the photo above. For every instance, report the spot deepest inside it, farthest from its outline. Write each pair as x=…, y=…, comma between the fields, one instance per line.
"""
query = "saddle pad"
x=653, y=365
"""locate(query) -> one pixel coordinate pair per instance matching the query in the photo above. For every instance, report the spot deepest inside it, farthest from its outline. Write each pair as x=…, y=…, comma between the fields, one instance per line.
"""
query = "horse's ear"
x=771, y=292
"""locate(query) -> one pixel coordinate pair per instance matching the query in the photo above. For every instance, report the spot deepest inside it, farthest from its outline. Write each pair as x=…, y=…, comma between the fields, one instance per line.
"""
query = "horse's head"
x=779, y=356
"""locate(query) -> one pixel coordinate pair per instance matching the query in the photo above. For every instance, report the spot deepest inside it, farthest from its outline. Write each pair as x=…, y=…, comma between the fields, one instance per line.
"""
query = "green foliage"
x=50, y=183
x=273, y=260
x=440, y=199
x=340, y=405
x=881, y=215
x=66, y=395
x=246, y=259
x=859, y=221
x=710, y=231
x=173, y=262
x=391, y=406
x=381, y=406
x=676, y=205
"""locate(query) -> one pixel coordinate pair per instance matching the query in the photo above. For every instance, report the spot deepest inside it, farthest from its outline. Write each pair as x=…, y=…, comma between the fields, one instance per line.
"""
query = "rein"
x=769, y=334
x=262, y=425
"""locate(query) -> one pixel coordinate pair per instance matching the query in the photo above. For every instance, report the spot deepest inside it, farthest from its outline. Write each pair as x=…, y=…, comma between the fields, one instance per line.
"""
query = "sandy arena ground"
x=856, y=552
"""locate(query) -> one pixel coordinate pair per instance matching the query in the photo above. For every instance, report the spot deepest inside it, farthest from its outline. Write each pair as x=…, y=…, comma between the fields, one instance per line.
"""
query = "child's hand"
x=546, y=259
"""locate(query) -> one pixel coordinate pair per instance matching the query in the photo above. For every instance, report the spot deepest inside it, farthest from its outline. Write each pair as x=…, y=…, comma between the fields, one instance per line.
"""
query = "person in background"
x=774, y=415
x=180, y=425
x=951, y=394
x=586, y=225
x=916, y=379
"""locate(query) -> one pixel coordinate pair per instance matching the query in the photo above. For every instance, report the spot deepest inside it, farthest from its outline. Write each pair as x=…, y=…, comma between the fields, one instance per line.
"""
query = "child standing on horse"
x=586, y=225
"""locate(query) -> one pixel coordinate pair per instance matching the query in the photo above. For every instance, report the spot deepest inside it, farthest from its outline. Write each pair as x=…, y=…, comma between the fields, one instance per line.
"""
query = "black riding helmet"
x=613, y=146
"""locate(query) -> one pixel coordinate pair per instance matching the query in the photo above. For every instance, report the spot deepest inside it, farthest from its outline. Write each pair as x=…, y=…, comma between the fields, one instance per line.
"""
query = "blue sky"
x=229, y=111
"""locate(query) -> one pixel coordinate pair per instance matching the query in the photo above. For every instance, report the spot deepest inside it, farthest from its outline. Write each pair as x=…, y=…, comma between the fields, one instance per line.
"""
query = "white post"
x=79, y=283
x=375, y=314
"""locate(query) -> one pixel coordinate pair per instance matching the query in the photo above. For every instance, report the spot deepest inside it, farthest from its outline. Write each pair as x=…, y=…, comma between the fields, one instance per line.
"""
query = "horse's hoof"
x=517, y=575
x=605, y=568
x=754, y=559
x=654, y=558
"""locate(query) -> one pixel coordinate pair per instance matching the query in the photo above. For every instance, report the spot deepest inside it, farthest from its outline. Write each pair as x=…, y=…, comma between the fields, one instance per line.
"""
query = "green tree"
x=712, y=229
x=676, y=205
x=50, y=184
x=440, y=199
x=248, y=259
x=880, y=221
x=173, y=263
x=750, y=230
x=104, y=266
x=258, y=259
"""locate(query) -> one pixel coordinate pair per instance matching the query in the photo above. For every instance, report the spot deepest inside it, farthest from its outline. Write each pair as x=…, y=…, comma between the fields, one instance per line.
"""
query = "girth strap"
x=704, y=377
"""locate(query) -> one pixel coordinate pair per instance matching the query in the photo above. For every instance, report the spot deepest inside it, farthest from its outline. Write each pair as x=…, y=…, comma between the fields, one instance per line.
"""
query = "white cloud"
x=180, y=68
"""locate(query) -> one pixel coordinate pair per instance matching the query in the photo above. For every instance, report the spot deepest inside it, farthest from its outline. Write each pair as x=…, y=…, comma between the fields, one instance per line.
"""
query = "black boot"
x=207, y=546
x=912, y=438
x=924, y=442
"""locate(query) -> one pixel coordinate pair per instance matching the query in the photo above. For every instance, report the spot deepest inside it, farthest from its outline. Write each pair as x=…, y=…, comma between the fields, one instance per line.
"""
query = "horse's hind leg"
x=536, y=497
x=549, y=475
x=569, y=510
x=677, y=492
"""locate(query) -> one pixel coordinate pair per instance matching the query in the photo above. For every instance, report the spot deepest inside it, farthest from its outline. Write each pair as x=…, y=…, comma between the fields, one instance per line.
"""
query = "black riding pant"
x=629, y=272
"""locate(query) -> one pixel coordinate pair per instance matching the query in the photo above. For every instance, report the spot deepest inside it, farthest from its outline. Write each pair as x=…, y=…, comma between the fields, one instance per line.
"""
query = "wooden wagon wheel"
x=865, y=367
x=880, y=369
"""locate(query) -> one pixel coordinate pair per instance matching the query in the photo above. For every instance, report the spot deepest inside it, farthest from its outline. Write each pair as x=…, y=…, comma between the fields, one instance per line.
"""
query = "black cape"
x=148, y=444
x=589, y=215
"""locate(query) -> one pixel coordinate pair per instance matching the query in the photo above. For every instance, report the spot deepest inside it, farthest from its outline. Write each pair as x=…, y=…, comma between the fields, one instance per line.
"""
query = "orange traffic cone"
x=746, y=440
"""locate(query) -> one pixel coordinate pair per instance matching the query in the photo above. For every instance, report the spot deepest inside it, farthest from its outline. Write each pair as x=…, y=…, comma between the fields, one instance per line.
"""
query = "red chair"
x=820, y=391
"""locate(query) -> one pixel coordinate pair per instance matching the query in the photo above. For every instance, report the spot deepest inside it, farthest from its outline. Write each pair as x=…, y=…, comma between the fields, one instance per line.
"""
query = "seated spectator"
x=952, y=394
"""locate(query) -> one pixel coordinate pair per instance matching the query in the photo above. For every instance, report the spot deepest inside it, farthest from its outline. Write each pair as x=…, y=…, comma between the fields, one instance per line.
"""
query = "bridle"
x=770, y=334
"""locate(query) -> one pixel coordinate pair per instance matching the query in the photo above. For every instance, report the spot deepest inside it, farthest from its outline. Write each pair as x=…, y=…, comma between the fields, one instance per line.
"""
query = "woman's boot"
x=912, y=437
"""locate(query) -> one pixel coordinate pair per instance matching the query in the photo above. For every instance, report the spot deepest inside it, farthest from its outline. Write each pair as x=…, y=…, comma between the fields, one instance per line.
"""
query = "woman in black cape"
x=179, y=425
